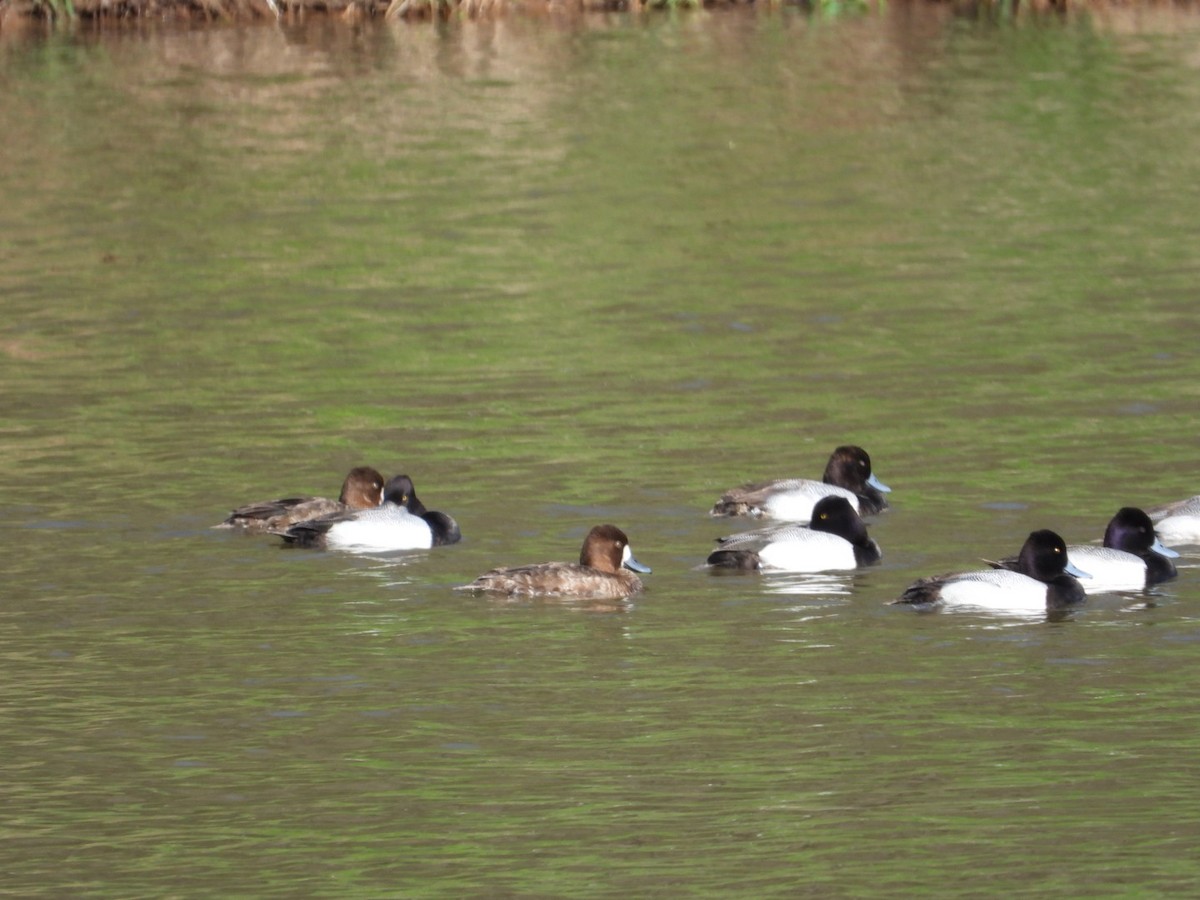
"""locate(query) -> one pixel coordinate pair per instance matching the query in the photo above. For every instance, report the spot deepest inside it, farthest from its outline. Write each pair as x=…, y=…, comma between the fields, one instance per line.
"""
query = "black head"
x=1130, y=530
x=400, y=491
x=835, y=515
x=1043, y=556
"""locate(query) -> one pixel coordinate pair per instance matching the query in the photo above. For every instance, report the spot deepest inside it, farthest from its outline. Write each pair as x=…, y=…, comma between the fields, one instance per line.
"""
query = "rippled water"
x=564, y=271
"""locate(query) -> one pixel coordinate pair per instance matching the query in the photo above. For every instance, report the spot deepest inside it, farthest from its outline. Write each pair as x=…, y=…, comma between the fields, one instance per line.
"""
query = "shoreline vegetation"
x=185, y=11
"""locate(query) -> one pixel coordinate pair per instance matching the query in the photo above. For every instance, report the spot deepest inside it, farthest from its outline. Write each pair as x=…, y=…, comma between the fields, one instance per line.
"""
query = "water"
x=564, y=271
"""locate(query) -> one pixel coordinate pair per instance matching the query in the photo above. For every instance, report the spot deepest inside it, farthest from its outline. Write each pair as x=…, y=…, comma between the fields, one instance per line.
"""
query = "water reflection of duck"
x=848, y=474
x=605, y=572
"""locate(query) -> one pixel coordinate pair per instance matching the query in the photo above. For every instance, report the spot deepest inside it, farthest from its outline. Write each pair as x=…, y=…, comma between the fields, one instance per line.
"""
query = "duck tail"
x=923, y=593
x=744, y=560
x=302, y=534
x=728, y=507
x=1009, y=562
x=443, y=527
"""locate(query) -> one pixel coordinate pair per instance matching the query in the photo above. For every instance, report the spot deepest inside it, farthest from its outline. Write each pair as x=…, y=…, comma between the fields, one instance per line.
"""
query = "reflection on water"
x=825, y=585
x=988, y=617
x=571, y=270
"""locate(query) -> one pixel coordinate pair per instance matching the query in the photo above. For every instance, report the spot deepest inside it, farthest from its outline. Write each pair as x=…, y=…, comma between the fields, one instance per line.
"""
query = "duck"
x=835, y=540
x=363, y=488
x=401, y=522
x=605, y=571
x=1177, y=523
x=1045, y=581
x=1132, y=557
x=848, y=474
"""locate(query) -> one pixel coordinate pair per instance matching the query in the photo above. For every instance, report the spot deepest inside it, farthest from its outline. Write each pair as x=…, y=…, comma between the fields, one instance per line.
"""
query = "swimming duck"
x=1178, y=522
x=605, y=572
x=1045, y=581
x=1132, y=557
x=401, y=523
x=837, y=539
x=362, y=489
x=848, y=474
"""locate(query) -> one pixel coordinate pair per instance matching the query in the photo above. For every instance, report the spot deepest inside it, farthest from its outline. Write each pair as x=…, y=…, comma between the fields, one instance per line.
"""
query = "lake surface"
x=565, y=270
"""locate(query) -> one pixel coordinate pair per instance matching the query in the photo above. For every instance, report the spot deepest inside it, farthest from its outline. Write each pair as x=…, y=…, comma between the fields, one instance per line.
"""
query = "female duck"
x=401, y=523
x=605, y=572
x=1178, y=522
x=836, y=540
x=1043, y=582
x=1132, y=557
x=362, y=489
x=848, y=474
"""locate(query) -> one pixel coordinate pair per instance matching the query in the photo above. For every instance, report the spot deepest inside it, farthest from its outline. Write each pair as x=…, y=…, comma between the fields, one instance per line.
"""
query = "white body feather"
x=389, y=527
x=793, y=500
x=1110, y=570
x=998, y=590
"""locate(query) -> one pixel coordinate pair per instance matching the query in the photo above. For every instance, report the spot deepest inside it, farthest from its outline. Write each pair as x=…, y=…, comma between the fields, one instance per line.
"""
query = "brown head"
x=607, y=548
x=362, y=489
x=850, y=468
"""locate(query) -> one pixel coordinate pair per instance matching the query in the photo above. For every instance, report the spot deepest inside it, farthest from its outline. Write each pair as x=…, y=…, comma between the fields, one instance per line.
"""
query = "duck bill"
x=1072, y=569
x=1163, y=550
x=878, y=485
x=631, y=563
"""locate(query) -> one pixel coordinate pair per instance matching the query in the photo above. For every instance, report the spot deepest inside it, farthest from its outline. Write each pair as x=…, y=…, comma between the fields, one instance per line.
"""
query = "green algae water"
x=565, y=271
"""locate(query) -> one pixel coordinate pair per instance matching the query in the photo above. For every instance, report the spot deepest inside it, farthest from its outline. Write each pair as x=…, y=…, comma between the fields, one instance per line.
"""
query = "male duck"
x=1132, y=557
x=836, y=540
x=1178, y=522
x=848, y=474
x=401, y=523
x=605, y=572
x=362, y=489
x=1043, y=582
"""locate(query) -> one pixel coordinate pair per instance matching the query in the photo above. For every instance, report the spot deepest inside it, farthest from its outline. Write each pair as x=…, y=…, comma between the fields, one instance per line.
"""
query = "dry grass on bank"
x=349, y=9
x=357, y=10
